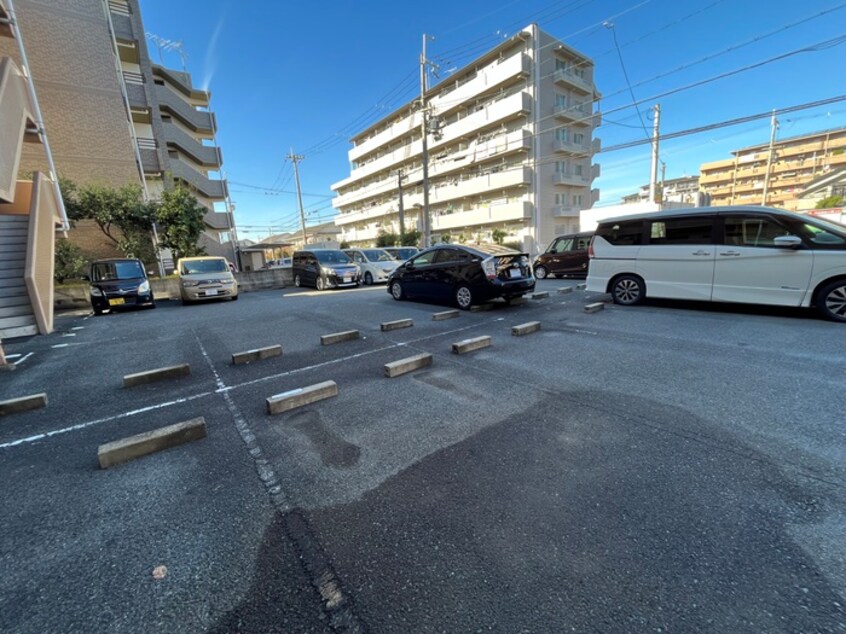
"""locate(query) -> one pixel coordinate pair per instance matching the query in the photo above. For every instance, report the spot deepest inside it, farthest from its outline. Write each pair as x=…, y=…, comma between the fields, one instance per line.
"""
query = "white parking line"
x=22, y=359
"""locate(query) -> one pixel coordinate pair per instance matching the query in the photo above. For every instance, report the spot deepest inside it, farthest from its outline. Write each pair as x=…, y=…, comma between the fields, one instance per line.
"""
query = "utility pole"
x=773, y=128
x=424, y=133
x=653, y=175
x=400, y=177
x=295, y=158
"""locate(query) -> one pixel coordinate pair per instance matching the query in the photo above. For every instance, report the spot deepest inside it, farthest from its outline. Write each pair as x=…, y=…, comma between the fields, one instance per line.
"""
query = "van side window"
x=562, y=245
x=752, y=231
x=622, y=233
x=687, y=230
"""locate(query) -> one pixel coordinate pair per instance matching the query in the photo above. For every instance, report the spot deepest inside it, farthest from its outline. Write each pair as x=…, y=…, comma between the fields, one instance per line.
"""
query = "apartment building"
x=672, y=190
x=30, y=209
x=795, y=162
x=115, y=118
x=510, y=149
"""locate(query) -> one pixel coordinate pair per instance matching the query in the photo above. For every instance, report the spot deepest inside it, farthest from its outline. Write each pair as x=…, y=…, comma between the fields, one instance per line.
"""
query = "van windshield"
x=110, y=271
x=204, y=266
x=332, y=257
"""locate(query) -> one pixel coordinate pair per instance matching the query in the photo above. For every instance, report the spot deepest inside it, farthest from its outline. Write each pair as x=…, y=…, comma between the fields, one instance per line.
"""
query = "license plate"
x=347, y=280
x=211, y=292
x=516, y=273
x=117, y=301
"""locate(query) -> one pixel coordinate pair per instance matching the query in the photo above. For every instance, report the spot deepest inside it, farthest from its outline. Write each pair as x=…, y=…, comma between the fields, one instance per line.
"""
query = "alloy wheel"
x=463, y=297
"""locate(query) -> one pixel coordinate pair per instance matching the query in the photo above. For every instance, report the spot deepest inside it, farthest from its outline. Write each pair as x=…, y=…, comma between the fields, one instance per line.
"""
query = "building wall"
x=492, y=162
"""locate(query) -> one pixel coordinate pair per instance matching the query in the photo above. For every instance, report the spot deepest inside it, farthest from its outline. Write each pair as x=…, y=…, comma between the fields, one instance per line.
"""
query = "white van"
x=753, y=255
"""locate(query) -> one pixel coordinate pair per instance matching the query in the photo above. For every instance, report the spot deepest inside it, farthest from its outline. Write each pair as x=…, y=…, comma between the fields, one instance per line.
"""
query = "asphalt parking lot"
x=669, y=467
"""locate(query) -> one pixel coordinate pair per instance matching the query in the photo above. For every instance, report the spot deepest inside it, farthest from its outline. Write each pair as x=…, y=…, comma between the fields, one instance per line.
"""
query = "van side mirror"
x=788, y=242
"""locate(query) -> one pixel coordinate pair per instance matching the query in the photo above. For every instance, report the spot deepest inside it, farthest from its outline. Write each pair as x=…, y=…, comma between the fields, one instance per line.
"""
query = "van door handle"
x=730, y=253
x=701, y=252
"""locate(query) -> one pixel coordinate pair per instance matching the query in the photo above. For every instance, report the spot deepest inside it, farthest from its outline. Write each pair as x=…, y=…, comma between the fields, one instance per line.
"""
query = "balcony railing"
x=122, y=24
x=488, y=214
x=207, y=156
x=198, y=120
x=15, y=117
x=571, y=148
x=217, y=220
x=518, y=104
x=213, y=189
x=490, y=77
x=564, y=211
x=566, y=178
x=569, y=78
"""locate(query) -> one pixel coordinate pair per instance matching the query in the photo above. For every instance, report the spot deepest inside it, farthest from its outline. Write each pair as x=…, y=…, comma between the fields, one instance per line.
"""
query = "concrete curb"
x=595, y=307
x=581, y=287
x=127, y=449
x=564, y=290
x=469, y=345
x=517, y=301
x=525, y=329
x=159, y=374
x=540, y=295
x=23, y=404
x=385, y=326
x=292, y=399
x=338, y=337
x=446, y=314
x=239, y=358
x=409, y=364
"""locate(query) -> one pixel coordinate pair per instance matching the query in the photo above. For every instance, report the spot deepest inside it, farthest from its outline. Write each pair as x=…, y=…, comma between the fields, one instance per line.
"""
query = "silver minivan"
x=744, y=254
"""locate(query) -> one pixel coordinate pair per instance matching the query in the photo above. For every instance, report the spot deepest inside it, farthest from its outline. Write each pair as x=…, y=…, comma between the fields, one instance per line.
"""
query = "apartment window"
x=562, y=167
x=579, y=138
x=562, y=134
x=560, y=101
x=578, y=200
x=578, y=169
x=561, y=199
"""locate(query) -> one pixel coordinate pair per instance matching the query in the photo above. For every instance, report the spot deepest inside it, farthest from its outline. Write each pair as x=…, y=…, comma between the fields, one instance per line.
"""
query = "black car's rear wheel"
x=541, y=272
x=397, y=291
x=463, y=297
x=831, y=301
x=297, y=281
x=320, y=284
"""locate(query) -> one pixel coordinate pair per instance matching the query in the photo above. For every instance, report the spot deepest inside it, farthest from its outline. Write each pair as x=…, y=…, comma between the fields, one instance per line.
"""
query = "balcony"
x=516, y=105
x=400, y=128
x=216, y=220
x=212, y=189
x=490, y=77
x=123, y=26
x=575, y=114
x=571, y=80
x=508, y=178
x=198, y=120
x=136, y=94
x=207, y=156
x=147, y=148
x=350, y=234
x=568, y=147
x=566, y=178
x=15, y=117
x=565, y=211
x=489, y=214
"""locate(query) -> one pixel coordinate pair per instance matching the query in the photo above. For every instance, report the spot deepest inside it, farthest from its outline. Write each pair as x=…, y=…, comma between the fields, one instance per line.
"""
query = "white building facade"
x=512, y=152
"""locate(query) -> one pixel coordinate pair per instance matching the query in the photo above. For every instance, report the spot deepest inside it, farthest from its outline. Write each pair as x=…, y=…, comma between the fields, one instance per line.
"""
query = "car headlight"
x=326, y=270
x=96, y=292
x=144, y=287
x=189, y=283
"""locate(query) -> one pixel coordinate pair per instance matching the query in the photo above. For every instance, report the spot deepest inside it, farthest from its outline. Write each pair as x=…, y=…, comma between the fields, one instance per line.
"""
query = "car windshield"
x=218, y=265
x=110, y=271
x=332, y=257
x=377, y=255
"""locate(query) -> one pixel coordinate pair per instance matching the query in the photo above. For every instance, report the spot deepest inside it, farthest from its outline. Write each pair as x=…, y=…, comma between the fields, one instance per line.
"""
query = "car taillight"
x=590, y=251
x=489, y=267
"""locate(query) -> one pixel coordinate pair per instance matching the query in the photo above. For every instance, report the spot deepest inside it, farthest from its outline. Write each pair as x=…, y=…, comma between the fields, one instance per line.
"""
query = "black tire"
x=397, y=291
x=186, y=302
x=831, y=300
x=297, y=281
x=628, y=290
x=98, y=311
x=320, y=284
x=234, y=298
x=368, y=279
x=463, y=297
x=541, y=272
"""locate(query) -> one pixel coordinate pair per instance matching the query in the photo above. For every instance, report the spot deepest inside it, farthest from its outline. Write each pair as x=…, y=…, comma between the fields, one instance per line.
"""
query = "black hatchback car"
x=119, y=284
x=463, y=274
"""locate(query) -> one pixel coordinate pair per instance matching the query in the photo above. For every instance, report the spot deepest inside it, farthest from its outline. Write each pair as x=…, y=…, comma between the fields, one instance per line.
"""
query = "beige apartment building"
x=114, y=117
x=510, y=148
x=795, y=162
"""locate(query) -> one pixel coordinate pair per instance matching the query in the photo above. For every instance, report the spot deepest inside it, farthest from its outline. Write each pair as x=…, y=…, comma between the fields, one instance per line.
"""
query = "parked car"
x=753, y=255
x=402, y=253
x=375, y=264
x=463, y=274
x=116, y=284
x=566, y=255
x=205, y=278
x=324, y=268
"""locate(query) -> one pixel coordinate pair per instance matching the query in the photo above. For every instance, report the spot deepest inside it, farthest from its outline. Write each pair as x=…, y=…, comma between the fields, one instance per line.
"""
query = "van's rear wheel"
x=628, y=290
x=831, y=301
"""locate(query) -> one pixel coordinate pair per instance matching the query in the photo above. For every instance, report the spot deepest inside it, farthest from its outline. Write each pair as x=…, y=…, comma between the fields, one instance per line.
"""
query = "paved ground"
x=670, y=467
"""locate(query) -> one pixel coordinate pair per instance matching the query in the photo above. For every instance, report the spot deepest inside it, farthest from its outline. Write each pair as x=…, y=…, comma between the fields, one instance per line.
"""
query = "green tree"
x=831, y=201
x=120, y=214
x=385, y=239
x=70, y=261
x=498, y=236
x=179, y=218
x=409, y=238
x=446, y=238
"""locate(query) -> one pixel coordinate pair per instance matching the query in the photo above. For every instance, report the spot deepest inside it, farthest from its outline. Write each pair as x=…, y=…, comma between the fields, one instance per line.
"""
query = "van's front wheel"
x=628, y=290
x=831, y=301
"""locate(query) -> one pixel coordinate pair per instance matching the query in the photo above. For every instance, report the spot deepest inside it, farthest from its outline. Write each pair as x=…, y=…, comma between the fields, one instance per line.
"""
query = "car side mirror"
x=86, y=278
x=788, y=242
x=409, y=267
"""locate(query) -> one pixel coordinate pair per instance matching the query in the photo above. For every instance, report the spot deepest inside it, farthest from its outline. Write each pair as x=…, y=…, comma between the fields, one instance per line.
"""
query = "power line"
x=610, y=26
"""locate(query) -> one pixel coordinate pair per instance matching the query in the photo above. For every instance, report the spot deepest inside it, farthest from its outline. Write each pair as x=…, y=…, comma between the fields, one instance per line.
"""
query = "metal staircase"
x=16, y=314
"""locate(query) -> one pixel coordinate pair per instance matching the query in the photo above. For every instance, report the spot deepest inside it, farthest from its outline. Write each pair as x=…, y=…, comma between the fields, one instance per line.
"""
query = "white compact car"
x=753, y=255
x=375, y=264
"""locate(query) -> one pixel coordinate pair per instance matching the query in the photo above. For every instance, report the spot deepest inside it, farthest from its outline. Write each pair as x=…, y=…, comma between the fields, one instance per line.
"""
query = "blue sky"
x=306, y=75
